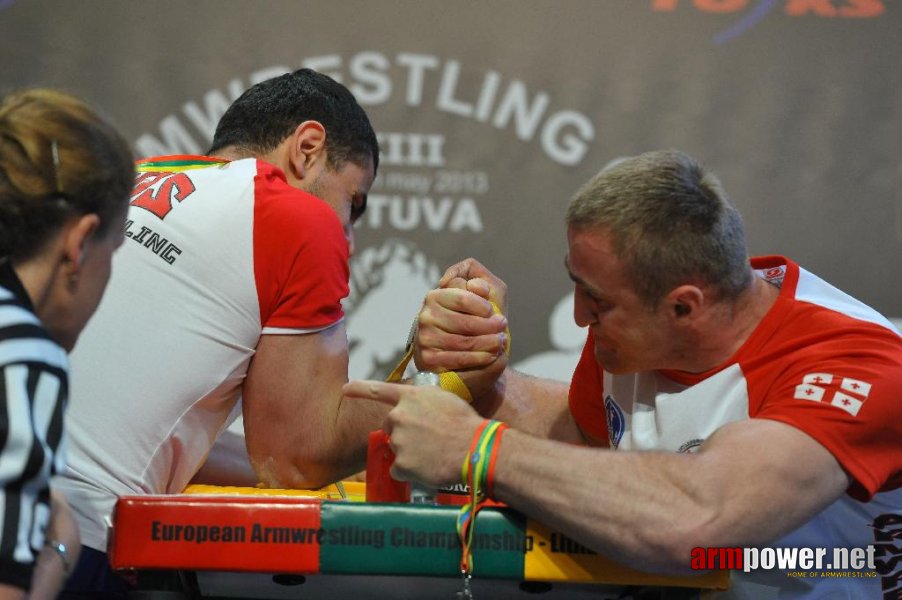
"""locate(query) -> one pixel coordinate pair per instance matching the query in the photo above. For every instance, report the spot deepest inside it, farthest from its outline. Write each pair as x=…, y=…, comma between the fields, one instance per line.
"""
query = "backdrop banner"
x=491, y=114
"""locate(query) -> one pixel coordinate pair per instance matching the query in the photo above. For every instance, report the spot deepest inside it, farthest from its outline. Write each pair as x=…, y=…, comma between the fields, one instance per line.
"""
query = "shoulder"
x=824, y=300
x=275, y=197
x=23, y=338
x=816, y=344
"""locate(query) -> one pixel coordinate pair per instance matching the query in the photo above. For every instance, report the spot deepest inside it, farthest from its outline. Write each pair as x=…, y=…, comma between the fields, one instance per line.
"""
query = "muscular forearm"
x=336, y=450
x=750, y=483
x=531, y=404
x=301, y=432
x=613, y=503
x=354, y=423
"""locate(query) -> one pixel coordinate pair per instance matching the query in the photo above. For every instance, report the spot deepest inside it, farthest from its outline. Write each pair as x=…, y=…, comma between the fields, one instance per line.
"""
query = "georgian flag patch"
x=822, y=387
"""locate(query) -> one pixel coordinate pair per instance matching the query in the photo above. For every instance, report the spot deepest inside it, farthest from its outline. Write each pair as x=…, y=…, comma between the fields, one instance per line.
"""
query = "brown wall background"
x=492, y=113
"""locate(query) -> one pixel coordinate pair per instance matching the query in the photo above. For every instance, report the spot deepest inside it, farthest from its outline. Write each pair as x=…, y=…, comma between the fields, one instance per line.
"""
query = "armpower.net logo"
x=813, y=562
x=749, y=13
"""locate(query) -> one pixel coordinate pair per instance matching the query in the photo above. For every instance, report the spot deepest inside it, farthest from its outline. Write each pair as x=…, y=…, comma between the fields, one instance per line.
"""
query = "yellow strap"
x=448, y=380
x=451, y=381
x=398, y=371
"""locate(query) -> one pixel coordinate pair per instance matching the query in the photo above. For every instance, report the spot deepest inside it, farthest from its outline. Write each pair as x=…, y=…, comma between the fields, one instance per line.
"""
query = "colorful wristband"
x=477, y=473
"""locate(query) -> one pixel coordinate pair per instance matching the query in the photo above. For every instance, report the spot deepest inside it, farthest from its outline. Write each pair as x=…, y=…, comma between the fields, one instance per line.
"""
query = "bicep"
x=291, y=399
x=764, y=478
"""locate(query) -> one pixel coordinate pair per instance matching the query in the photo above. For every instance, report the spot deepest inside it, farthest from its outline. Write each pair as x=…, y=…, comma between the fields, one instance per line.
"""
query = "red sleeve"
x=846, y=395
x=587, y=394
x=300, y=255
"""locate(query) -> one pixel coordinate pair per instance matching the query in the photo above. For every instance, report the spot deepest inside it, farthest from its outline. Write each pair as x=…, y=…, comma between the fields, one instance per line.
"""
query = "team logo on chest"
x=616, y=421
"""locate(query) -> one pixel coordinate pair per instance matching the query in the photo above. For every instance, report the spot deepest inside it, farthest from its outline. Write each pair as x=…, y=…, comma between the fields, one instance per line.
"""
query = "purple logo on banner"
x=747, y=22
x=754, y=11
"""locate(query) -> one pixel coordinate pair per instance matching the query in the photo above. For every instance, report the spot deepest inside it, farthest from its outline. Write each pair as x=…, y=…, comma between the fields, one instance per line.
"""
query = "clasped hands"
x=430, y=430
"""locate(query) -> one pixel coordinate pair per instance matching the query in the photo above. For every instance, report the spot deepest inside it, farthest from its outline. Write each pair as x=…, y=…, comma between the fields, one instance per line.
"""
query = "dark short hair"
x=268, y=112
x=58, y=158
x=672, y=223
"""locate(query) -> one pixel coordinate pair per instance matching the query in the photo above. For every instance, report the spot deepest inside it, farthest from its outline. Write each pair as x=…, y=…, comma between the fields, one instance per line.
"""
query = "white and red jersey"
x=216, y=253
x=819, y=361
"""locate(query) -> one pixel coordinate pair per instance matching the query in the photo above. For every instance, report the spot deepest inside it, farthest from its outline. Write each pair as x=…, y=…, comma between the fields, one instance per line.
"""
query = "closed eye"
x=601, y=305
x=358, y=207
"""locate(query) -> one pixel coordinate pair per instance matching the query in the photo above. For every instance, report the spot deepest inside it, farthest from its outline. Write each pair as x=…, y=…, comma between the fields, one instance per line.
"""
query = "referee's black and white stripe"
x=33, y=391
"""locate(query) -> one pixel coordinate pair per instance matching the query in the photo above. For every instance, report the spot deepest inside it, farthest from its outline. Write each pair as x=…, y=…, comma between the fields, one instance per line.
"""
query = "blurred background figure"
x=65, y=177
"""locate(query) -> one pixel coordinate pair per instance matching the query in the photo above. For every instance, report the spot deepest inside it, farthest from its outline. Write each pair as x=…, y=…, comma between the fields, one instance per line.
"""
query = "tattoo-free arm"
x=300, y=431
x=750, y=483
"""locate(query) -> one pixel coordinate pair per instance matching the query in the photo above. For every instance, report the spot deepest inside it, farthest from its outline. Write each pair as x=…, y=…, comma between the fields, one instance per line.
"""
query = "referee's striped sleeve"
x=33, y=390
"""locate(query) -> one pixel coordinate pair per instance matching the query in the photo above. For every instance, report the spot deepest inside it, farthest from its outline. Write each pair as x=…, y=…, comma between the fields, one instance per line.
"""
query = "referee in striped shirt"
x=65, y=178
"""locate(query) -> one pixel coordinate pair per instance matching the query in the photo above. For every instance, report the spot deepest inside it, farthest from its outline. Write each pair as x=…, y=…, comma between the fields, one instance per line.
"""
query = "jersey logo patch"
x=850, y=395
x=773, y=275
x=616, y=420
x=158, y=192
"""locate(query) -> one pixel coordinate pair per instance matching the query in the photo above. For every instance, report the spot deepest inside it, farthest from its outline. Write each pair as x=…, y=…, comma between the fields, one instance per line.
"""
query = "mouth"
x=601, y=350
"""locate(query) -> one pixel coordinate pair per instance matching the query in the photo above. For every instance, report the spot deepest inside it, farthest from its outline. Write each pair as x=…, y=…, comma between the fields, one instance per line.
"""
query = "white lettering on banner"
x=408, y=200
x=374, y=78
x=411, y=149
x=367, y=68
x=412, y=212
x=416, y=183
x=417, y=65
x=176, y=139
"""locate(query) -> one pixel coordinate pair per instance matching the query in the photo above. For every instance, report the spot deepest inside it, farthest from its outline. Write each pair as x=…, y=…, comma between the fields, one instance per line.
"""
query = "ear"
x=685, y=302
x=307, y=148
x=78, y=234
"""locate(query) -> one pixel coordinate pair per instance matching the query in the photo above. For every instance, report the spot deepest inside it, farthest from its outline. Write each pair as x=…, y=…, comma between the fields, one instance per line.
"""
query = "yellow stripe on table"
x=355, y=491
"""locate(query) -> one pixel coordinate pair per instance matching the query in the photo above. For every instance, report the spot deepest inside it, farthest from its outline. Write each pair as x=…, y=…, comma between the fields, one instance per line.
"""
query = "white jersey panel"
x=660, y=414
x=206, y=293
x=817, y=291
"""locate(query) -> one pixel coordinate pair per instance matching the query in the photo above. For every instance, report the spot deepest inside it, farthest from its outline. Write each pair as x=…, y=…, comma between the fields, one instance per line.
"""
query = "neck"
x=231, y=153
x=37, y=276
x=730, y=326
x=278, y=157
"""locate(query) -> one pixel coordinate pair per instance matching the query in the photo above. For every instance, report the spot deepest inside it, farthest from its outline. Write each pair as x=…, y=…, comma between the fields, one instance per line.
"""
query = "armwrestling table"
x=247, y=543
